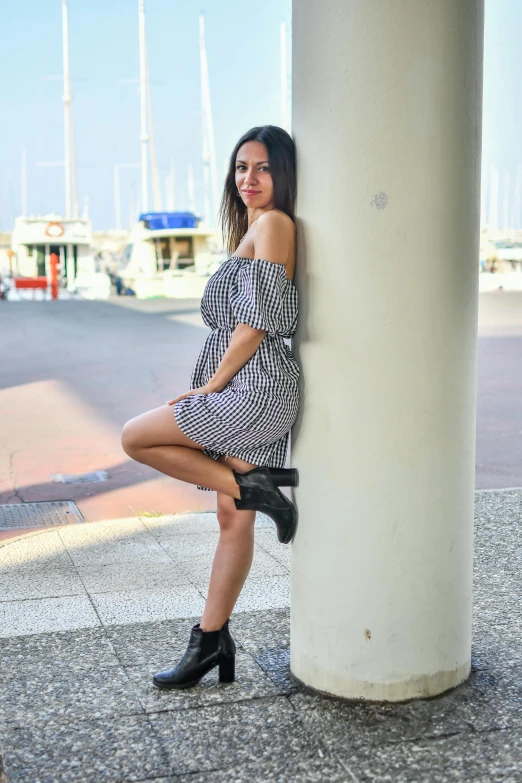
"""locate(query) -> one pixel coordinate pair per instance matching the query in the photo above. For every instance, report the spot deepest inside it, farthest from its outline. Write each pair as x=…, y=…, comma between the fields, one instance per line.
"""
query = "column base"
x=424, y=687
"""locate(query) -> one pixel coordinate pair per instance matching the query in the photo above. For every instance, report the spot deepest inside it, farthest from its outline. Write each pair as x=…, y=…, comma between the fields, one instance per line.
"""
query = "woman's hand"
x=243, y=344
x=207, y=389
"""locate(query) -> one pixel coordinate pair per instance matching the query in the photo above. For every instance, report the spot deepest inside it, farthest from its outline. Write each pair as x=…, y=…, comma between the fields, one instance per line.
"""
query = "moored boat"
x=170, y=254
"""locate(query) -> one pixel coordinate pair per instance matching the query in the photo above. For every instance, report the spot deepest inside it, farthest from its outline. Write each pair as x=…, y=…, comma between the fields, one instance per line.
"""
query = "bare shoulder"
x=274, y=238
x=275, y=221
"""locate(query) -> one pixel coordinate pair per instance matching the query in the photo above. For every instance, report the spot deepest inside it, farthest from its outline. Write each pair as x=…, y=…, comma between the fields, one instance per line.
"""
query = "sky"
x=502, y=102
x=243, y=54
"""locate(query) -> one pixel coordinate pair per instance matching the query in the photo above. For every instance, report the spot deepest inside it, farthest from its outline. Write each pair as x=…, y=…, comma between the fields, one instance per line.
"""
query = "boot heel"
x=285, y=477
x=227, y=668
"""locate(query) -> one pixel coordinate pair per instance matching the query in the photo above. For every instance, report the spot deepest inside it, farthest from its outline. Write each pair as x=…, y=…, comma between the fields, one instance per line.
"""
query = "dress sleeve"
x=257, y=297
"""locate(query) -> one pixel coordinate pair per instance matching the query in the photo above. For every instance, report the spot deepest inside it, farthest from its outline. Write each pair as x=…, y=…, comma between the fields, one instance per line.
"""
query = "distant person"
x=4, y=288
x=230, y=432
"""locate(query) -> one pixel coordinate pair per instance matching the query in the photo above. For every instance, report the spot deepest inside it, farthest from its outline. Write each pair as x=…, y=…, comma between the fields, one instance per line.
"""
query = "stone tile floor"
x=88, y=613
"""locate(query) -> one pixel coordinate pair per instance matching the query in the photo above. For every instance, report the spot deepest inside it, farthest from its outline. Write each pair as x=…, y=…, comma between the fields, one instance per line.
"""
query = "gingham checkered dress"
x=252, y=417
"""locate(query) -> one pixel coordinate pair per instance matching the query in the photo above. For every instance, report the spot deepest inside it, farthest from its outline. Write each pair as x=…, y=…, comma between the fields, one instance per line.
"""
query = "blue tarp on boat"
x=158, y=220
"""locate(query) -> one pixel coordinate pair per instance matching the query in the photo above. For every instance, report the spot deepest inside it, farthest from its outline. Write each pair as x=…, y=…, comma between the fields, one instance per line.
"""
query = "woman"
x=230, y=432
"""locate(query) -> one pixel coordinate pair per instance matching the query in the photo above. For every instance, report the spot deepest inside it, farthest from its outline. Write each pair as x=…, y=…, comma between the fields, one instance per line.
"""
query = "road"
x=499, y=386
x=74, y=371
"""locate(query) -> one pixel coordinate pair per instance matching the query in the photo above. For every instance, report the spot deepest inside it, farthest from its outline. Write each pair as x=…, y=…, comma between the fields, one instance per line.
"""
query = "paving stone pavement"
x=88, y=613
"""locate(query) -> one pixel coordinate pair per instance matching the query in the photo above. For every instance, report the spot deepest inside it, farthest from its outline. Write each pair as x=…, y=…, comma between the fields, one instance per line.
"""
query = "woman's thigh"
x=157, y=427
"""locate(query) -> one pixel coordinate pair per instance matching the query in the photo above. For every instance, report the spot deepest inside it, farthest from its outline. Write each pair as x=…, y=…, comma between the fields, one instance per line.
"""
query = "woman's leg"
x=233, y=556
x=210, y=642
x=155, y=439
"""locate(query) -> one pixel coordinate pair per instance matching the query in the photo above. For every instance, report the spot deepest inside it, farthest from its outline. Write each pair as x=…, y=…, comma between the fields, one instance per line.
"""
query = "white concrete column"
x=387, y=109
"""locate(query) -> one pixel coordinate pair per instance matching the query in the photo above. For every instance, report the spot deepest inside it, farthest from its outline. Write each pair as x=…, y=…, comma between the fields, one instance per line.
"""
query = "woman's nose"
x=250, y=177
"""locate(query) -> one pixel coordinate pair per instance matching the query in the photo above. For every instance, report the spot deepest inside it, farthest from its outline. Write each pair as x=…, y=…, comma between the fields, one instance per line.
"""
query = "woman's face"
x=253, y=178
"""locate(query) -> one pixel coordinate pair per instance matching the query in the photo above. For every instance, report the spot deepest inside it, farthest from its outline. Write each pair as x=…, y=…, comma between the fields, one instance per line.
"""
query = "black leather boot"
x=206, y=649
x=259, y=492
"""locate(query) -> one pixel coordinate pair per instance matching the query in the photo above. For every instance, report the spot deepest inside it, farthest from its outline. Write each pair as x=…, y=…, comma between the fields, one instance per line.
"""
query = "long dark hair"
x=232, y=213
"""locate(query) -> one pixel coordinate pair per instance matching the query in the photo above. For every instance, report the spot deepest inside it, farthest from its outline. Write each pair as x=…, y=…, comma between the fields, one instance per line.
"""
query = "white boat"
x=33, y=241
x=170, y=254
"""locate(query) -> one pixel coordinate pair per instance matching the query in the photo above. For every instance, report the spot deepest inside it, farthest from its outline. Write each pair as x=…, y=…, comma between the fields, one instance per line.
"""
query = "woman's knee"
x=231, y=519
x=226, y=520
x=130, y=440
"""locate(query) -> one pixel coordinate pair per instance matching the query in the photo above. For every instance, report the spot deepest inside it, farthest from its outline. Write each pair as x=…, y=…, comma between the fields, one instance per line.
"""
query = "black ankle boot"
x=206, y=649
x=259, y=492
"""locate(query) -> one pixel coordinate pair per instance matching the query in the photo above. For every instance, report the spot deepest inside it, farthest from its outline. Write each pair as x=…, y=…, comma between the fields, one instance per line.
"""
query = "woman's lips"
x=251, y=192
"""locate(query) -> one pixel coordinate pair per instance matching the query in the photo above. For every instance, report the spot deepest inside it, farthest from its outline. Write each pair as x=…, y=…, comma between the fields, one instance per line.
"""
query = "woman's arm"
x=243, y=344
x=271, y=242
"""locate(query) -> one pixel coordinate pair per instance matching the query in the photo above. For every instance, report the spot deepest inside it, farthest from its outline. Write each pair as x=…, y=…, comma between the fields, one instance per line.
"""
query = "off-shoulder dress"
x=252, y=417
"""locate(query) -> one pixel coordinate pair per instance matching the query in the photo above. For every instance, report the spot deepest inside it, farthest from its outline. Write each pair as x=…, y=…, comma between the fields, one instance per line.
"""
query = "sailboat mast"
x=190, y=187
x=284, y=78
x=515, y=219
x=117, y=201
x=74, y=183
x=209, y=151
x=505, y=221
x=71, y=192
x=156, y=192
x=66, y=112
x=170, y=188
x=143, y=105
x=24, y=182
x=493, y=197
